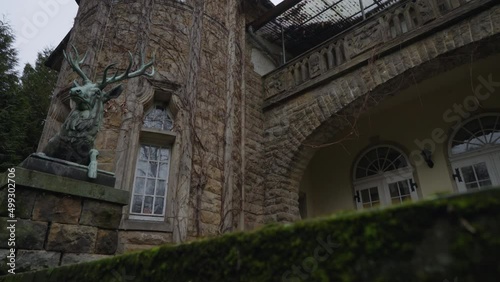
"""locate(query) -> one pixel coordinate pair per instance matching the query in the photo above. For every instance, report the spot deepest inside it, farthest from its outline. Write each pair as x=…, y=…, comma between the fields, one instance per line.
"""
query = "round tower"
x=174, y=140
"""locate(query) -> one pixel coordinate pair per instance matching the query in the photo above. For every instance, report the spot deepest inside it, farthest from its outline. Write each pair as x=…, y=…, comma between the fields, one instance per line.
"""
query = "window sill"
x=145, y=225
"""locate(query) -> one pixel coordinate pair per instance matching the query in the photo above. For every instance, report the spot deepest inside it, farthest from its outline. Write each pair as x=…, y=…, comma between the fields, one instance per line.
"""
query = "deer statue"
x=75, y=141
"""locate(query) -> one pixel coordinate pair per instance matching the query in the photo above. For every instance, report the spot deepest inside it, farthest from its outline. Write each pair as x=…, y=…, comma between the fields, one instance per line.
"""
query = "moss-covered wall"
x=453, y=239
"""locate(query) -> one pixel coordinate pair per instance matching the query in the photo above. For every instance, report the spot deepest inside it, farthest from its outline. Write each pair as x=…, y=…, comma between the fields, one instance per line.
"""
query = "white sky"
x=37, y=24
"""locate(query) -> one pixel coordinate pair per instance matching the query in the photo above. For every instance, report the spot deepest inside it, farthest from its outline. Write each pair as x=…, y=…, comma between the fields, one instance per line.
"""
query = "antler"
x=75, y=63
x=141, y=71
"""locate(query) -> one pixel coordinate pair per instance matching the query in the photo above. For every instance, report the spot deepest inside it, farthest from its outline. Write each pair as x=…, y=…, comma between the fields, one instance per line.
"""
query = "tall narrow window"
x=383, y=176
x=475, y=153
x=151, y=181
x=150, y=189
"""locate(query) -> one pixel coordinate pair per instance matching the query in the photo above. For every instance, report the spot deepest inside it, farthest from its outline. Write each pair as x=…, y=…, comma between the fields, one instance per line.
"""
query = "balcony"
x=382, y=33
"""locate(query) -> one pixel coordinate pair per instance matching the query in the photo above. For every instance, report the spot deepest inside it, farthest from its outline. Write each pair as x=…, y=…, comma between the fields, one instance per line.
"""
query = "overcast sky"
x=37, y=24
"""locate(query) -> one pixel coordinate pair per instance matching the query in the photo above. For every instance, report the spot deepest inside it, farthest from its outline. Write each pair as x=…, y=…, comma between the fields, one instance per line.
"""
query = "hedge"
x=456, y=238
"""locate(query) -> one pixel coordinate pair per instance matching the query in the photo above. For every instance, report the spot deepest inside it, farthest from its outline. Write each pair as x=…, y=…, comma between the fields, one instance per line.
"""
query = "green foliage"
x=454, y=239
x=24, y=102
x=11, y=133
x=37, y=84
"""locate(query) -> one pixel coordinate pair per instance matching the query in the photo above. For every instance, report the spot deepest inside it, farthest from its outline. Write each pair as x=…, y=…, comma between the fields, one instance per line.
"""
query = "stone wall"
x=313, y=116
x=59, y=221
x=254, y=124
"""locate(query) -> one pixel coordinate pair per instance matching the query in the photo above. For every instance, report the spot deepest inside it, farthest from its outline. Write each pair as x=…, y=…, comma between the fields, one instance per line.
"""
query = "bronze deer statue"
x=75, y=140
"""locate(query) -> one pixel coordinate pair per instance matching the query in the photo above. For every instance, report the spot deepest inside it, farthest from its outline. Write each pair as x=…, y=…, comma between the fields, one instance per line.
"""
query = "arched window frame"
x=167, y=124
x=479, y=167
x=390, y=186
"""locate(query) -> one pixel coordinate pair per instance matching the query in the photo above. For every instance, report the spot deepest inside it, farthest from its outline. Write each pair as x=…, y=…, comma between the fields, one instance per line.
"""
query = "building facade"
x=398, y=106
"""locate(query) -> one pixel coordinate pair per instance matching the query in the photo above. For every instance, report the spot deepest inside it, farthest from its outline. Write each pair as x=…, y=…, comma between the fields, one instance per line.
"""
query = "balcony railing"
x=358, y=44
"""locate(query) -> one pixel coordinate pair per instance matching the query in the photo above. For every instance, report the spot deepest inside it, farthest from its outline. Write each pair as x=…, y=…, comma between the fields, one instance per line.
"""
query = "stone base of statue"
x=64, y=168
x=60, y=216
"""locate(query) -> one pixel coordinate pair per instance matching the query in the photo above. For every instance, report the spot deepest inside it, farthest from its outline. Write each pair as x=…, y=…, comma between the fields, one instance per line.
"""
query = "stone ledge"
x=66, y=169
x=59, y=184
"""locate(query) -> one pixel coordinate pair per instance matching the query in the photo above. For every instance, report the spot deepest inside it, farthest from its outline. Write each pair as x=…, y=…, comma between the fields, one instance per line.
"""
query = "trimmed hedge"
x=447, y=239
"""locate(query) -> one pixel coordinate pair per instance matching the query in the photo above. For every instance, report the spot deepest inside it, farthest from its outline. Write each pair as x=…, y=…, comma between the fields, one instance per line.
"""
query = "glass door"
x=368, y=194
x=475, y=173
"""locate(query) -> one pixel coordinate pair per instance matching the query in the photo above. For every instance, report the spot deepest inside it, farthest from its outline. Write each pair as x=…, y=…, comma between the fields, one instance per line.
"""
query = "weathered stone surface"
x=107, y=241
x=65, y=169
x=64, y=185
x=57, y=208
x=71, y=238
x=101, y=214
x=127, y=248
x=137, y=240
x=25, y=199
x=78, y=258
x=34, y=260
x=3, y=199
x=28, y=234
x=3, y=261
x=210, y=217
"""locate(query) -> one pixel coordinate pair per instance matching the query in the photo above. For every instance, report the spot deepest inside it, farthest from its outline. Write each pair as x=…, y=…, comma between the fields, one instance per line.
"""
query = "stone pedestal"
x=60, y=220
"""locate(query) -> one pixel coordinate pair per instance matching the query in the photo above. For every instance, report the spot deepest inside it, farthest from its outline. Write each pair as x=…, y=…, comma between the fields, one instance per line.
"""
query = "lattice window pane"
x=476, y=134
x=370, y=197
x=380, y=160
x=399, y=191
x=158, y=117
x=151, y=181
x=476, y=176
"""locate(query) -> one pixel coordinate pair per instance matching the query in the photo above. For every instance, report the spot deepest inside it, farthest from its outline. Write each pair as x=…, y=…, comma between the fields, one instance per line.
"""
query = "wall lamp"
x=427, y=154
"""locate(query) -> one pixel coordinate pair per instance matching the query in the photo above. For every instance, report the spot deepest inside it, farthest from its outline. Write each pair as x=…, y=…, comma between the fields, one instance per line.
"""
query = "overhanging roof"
x=307, y=23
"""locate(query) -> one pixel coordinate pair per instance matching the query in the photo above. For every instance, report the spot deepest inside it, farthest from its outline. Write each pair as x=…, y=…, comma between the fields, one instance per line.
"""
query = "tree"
x=23, y=102
x=11, y=133
x=37, y=84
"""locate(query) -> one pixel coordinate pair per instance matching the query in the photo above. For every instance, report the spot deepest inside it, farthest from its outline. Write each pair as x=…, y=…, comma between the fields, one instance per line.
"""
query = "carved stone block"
x=314, y=65
x=363, y=38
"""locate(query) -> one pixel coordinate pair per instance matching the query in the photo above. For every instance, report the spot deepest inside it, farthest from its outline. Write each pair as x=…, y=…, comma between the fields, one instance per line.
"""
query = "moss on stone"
x=437, y=240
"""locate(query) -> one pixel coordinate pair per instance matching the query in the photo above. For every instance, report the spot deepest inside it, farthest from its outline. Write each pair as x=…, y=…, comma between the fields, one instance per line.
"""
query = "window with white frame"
x=150, y=188
x=383, y=176
x=474, y=152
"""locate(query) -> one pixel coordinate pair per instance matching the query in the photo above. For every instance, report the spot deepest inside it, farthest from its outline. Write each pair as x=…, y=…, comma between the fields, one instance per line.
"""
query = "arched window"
x=474, y=152
x=158, y=117
x=383, y=176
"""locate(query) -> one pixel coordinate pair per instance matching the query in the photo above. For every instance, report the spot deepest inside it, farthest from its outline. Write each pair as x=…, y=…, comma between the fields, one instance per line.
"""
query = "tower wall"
x=198, y=48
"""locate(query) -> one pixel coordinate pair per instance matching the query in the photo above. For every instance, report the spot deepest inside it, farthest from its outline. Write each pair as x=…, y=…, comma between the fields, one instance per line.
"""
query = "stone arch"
x=315, y=116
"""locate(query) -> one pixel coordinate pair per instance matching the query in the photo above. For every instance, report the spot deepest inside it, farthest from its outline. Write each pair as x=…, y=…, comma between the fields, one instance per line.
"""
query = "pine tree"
x=37, y=84
x=11, y=133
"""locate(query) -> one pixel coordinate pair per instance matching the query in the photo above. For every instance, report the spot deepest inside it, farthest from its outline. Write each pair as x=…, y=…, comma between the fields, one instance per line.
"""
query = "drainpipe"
x=262, y=45
x=283, y=44
x=362, y=9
